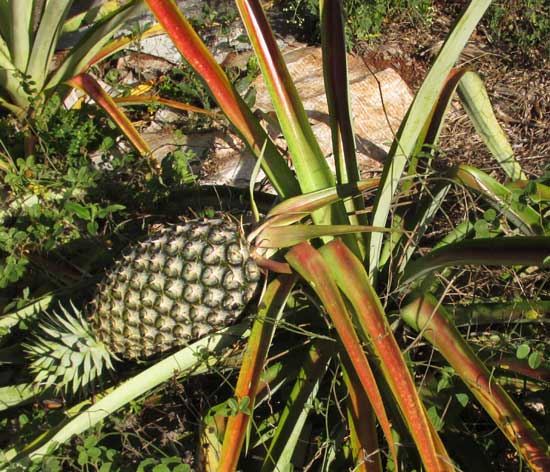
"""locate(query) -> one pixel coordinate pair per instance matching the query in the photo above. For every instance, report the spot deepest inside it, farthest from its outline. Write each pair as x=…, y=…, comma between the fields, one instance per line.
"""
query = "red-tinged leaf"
x=352, y=279
x=254, y=358
x=89, y=85
x=300, y=205
x=520, y=366
x=362, y=424
x=156, y=100
x=296, y=208
x=333, y=40
x=309, y=263
x=336, y=88
x=234, y=107
x=311, y=166
x=286, y=236
x=510, y=251
x=427, y=316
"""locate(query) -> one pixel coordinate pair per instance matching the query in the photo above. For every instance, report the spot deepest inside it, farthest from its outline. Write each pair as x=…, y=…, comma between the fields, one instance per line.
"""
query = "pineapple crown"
x=66, y=355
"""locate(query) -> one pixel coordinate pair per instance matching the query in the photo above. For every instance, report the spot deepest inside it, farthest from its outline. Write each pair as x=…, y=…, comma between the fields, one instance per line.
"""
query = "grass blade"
x=425, y=315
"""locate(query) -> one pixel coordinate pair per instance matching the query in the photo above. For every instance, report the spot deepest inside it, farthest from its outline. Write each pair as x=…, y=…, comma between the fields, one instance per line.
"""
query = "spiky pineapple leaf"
x=65, y=355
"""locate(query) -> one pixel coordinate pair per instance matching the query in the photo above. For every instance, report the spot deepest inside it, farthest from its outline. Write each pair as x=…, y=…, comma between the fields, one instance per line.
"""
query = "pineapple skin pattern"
x=182, y=283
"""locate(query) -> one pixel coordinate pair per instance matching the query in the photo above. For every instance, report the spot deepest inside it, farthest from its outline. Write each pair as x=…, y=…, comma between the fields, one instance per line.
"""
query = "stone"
x=379, y=102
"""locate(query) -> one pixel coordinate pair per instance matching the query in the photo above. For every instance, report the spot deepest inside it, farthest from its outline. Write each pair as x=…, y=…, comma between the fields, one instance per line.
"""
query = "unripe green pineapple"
x=182, y=283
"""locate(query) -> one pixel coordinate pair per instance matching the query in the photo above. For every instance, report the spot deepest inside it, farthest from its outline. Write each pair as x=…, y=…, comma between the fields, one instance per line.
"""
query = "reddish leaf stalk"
x=251, y=369
x=236, y=110
x=425, y=315
x=353, y=280
x=310, y=265
x=362, y=424
x=311, y=167
x=89, y=85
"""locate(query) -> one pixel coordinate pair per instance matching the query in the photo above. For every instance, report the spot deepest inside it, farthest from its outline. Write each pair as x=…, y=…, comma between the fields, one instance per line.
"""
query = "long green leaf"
x=19, y=24
x=475, y=100
x=45, y=41
x=425, y=315
x=529, y=311
x=415, y=121
x=352, y=279
x=183, y=360
x=234, y=107
x=297, y=408
x=510, y=251
x=92, y=42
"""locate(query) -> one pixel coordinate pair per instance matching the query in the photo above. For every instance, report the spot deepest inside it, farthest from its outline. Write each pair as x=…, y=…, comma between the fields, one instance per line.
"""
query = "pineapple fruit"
x=182, y=283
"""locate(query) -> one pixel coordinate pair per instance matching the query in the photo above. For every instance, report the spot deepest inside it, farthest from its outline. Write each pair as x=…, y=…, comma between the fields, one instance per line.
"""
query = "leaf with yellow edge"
x=309, y=263
x=351, y=277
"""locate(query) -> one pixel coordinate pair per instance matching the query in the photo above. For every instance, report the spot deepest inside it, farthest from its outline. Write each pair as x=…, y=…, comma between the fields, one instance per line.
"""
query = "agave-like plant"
x=357, y=278
x=30, y=35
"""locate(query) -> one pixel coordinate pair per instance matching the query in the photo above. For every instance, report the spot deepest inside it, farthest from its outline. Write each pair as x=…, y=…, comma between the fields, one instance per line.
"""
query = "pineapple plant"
x=346, y=276
x=183, y=282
